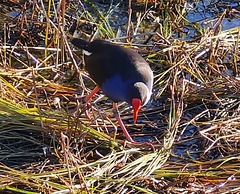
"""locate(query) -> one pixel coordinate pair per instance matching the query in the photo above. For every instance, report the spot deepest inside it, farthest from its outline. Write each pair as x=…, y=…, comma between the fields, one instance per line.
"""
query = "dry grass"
x=47, y=145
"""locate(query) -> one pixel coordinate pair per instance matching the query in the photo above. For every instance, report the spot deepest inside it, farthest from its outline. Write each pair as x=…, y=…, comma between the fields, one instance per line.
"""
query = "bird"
x=121, y=73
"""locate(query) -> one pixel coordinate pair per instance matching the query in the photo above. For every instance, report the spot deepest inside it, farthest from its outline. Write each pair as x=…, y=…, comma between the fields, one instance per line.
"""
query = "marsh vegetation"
x=48, y=145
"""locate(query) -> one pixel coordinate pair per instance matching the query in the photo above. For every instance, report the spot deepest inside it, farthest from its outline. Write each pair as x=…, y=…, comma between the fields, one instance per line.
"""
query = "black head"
x=140, y=91
x=139, y=95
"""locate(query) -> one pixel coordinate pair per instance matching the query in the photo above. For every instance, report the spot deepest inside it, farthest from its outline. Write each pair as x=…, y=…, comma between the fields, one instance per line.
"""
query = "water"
x=206, y=11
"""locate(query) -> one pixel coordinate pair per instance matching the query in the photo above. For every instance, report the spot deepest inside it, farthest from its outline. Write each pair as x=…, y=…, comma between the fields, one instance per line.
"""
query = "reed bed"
x=48, y=145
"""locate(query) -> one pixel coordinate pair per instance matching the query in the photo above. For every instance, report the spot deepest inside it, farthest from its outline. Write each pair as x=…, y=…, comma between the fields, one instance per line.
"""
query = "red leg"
x=128, y=137
x=115, y=111
x=88, y=98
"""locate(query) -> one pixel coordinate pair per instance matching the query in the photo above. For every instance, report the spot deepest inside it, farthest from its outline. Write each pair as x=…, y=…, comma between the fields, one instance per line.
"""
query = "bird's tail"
x=80, y=43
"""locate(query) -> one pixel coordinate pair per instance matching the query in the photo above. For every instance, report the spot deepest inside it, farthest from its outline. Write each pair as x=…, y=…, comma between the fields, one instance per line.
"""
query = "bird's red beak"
x=136, y=103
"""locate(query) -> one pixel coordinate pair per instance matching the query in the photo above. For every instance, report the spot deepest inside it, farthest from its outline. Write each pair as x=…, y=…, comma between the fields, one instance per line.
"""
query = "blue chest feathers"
x=117, y=89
